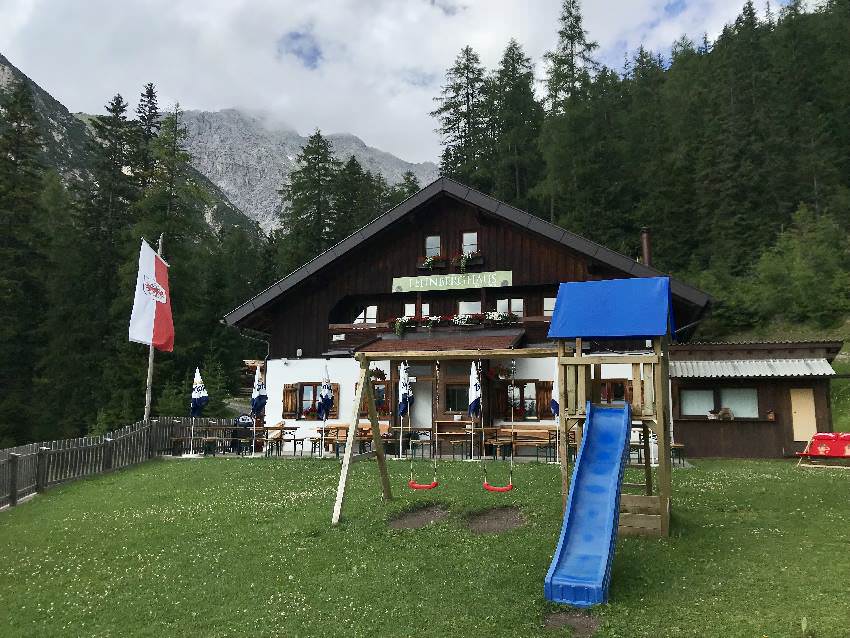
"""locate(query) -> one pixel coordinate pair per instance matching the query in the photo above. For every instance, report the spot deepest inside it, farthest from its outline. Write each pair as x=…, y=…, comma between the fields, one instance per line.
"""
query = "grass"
x=223, y=547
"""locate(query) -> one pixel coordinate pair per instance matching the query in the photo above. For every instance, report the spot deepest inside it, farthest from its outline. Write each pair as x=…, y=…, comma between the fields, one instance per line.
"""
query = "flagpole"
x=149, y=386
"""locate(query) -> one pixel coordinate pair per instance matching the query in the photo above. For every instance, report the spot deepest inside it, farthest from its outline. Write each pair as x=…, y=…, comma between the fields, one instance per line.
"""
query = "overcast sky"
x=368, y=67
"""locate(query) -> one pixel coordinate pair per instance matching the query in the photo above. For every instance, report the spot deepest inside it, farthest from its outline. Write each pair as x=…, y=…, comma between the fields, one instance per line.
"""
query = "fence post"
x=107, y=455
x=41, y=469
x=13, y=479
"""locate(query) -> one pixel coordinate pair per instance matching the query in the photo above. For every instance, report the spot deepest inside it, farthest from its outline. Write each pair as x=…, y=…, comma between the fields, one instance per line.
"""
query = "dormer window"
x=470, y=243
x=432, y=246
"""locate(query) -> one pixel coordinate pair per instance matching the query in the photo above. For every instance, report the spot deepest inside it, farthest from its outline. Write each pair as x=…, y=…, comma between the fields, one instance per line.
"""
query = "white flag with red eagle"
x=151, y=321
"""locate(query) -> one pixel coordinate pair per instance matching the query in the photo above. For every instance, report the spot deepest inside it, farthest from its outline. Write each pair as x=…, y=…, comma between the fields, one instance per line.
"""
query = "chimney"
x=646, y=246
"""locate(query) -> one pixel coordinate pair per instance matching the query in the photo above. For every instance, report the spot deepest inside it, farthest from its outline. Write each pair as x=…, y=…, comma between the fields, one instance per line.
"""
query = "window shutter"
x=544, y=399
x=290, y=401
x=335, y=407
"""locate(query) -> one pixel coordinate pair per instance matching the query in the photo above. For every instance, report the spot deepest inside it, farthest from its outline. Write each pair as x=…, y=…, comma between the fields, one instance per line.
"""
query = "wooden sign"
x=455, y=281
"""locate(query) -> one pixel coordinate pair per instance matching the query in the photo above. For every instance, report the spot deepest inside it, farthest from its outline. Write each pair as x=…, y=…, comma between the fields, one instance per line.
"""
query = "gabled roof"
x=458, y=191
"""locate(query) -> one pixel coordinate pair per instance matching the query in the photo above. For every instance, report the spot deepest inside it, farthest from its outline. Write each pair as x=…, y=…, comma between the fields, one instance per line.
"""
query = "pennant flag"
x=405, y=392
x=474, y=391
x=326, y=398
x=553, y=404
x=199, y=395
x=258, y=396
x=151, y=321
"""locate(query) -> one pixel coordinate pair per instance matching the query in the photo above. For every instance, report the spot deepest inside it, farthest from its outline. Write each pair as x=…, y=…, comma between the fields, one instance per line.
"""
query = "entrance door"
x=803, y=413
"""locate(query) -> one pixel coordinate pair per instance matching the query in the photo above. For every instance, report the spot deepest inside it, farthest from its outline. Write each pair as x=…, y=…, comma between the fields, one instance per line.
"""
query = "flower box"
x=431, y=263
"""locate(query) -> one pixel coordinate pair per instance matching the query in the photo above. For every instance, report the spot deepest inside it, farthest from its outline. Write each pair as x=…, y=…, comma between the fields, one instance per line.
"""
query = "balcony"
x=348, y=336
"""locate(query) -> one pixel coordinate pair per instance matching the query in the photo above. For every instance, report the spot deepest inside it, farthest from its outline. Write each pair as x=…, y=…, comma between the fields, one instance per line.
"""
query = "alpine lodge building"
x=453, y=269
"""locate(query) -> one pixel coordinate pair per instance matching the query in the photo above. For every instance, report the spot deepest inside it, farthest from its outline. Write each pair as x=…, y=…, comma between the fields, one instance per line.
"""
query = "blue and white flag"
x=553, y=403
x=326, y=398
x=258, y=396
x=199, y=395
x=474, y=391
x=405, y=392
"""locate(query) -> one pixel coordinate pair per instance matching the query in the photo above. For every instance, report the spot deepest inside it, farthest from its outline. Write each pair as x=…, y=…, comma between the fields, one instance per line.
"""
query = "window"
x=548, y=306
x=382, y=405
x=696, y=402
x=457, y=398
x=470, y=243
x=513, y=306
x=307, y=402
x=410, y=309
x=368, y=315
x=743, y=402
x=615, y=391
x=432, y=246
x=469, y=307
x=522, y=401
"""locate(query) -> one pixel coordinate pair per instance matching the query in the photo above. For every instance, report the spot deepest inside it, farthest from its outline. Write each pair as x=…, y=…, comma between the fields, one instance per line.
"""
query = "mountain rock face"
x=64, y=137
x=249, y=158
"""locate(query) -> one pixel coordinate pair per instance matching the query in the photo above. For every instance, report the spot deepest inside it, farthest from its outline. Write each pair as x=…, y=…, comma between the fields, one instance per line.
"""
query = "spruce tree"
x=462, y=119
x=21, y=263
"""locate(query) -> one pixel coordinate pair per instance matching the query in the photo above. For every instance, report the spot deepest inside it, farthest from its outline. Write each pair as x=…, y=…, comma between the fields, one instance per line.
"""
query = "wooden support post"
x=13, y=479
x=647, y=459
x=596, y=384
x=41, y=469
x=637, y=390
x=564, y=440
x=349, y=441
x=377, y=442
x=662, y=412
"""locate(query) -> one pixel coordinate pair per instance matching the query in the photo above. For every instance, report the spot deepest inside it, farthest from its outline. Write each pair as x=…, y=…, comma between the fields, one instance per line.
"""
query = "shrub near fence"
x=35, y=467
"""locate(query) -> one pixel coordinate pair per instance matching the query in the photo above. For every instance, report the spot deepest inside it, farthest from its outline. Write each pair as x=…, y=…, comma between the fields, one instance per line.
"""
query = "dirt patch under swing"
x=498, y=519
x=419, y=517
x=583, y=625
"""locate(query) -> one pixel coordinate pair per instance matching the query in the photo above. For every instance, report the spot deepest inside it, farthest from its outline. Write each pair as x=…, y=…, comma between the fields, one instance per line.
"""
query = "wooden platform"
x=642, y=516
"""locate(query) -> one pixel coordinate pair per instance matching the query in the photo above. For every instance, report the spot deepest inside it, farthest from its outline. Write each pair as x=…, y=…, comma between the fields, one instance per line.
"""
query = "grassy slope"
x=244, y=548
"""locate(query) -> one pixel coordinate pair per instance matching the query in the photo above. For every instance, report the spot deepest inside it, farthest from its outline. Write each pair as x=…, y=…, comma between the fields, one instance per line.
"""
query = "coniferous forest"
x=736, y=152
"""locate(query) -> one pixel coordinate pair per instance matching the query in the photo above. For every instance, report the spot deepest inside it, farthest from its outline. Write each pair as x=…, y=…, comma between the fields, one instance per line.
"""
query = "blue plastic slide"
x=581, y=568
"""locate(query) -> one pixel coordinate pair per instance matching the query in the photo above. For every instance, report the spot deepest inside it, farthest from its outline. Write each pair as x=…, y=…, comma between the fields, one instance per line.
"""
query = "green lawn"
x=222, y=547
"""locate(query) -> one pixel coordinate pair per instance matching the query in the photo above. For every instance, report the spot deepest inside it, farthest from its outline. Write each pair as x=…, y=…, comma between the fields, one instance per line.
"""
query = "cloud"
x=368, y=67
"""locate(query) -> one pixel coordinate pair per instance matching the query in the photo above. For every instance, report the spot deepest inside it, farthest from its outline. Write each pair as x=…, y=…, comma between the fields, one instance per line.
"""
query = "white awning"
x=751, y=368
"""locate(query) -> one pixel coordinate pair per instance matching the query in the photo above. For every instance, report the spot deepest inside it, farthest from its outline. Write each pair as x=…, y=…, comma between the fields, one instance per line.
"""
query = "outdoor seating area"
x=444, y=440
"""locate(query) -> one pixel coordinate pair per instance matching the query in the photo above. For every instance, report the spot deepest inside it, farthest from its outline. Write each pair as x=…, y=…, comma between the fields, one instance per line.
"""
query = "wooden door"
x=803, y=413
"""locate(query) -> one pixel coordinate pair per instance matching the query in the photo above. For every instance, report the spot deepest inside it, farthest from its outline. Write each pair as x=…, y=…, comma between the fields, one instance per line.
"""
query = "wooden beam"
x=349, y=442
x=591, y=359
x=662, y=413
x=377, y=442
x=447, y=355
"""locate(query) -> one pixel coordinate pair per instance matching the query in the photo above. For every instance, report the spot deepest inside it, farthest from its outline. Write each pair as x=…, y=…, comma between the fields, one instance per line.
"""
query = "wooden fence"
x=35, y=467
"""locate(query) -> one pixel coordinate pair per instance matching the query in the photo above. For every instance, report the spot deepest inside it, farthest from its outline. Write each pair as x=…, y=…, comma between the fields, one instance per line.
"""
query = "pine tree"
x=571, y=63
x=146, y=128
x=21, y=262
x=517, y=118
x=461, y=117
x=407, y=187
x=308, y=205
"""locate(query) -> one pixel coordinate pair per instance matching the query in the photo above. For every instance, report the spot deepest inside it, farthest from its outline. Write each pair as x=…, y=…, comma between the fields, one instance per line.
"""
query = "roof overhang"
x=750, y=368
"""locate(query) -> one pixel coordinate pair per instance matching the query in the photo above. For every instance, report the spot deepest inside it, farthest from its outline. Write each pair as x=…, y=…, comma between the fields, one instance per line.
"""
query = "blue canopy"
x=614, y=308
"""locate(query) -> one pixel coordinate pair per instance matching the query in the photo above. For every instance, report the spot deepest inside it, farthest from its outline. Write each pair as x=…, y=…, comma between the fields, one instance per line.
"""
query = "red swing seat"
x=496, y=488
x=422, y=486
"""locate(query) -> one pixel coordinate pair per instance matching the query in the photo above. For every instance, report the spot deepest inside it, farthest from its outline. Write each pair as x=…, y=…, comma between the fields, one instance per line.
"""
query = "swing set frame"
x=644, y=514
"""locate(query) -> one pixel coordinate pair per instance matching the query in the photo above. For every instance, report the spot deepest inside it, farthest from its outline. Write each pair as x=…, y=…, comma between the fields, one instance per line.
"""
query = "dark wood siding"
x=749, y=438
x=302, y=315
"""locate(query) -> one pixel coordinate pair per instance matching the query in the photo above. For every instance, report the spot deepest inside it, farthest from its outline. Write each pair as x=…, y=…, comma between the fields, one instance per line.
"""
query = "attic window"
x=470, y=243
x=432, y=246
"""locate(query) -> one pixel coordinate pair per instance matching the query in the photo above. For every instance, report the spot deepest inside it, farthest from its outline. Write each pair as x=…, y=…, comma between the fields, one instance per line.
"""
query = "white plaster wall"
x=345, y=372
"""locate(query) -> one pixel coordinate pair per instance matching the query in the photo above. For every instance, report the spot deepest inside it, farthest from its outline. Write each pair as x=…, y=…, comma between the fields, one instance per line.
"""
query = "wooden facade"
x=771, y=433
x=364, y=276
